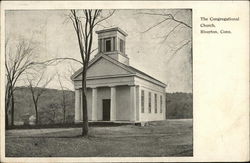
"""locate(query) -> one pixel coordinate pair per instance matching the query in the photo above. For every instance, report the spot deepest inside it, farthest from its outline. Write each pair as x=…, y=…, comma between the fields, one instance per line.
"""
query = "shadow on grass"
x=57, y=136
x=74, y=136
x=68, y=125
x=97, y=136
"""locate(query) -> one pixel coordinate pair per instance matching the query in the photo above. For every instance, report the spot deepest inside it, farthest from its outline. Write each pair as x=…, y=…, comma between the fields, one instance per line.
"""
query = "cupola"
x=112, y=42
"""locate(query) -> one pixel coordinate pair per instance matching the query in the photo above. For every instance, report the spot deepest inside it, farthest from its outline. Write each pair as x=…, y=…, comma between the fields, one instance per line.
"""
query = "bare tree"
x=18, y=59
x=37, y=89
x=169, y=17
x=48, y=114
x=63, y=102
x=84, y=22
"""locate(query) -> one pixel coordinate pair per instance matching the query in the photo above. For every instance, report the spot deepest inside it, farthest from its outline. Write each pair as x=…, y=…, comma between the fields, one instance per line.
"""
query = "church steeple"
x=112, y=42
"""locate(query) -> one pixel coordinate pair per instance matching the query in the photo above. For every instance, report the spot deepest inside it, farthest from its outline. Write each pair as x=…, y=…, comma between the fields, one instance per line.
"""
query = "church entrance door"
x=106, y=109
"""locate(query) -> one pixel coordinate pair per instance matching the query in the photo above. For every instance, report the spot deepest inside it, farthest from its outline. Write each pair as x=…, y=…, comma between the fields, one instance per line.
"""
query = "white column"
x=77, y=105
x=113, y=104
x=164, y=107
x=103, y=45
x=94, y=104
x=124, y=46
x=112, y=44
x=133, y=103
x=80, y=93
x=138, y=108
x=117, y=44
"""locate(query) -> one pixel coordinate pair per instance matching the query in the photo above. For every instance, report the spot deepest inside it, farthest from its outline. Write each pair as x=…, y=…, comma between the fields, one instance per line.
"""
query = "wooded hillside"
x=49, y=105
x=179, y=105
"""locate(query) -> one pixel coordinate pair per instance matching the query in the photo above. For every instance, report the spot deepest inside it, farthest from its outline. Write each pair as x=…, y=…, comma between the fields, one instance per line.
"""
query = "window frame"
x=161, y=102
x=105, y=44
x=155, y=102
x=121, y=45
x=142, y=101
x=149, y=102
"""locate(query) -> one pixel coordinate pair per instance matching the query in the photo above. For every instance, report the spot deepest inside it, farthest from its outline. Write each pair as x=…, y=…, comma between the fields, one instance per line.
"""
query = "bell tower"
x=112, y=42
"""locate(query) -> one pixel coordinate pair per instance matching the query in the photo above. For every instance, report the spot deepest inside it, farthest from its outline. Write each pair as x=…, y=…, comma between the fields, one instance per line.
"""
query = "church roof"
x=124, y=66
x=112, y=29
x=143, y=73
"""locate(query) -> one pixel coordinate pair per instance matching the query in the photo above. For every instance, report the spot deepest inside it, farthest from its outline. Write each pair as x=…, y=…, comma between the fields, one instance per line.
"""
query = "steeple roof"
x=112, y=29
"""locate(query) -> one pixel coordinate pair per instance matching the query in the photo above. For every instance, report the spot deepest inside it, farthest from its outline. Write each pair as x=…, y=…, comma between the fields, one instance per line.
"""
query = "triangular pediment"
x=104, y=66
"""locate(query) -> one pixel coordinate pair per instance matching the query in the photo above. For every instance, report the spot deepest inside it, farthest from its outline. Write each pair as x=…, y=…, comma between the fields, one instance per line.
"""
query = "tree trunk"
x=7, y=102
x=6, y=118
x=54, y=116
x=85, y=126
x=64, y=115
x=64, y=108
x=36, y=114
x=12, y=108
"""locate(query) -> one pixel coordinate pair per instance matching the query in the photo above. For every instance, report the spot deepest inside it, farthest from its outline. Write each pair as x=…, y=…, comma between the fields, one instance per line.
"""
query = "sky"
x=150, y=51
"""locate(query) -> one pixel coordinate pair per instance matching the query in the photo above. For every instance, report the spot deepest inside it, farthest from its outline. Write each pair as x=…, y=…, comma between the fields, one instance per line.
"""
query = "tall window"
x=121, y=45
x=108, y=45
x=155, y=103
x=160, y=104
x=149, y=102
x=142, y=101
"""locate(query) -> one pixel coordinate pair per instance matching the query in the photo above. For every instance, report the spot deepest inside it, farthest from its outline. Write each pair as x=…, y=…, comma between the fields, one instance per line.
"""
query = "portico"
x=112, y=95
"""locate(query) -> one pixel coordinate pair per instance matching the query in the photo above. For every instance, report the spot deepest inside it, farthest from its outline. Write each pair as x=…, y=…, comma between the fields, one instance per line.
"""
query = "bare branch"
x=177, y=50
x=167, y=17
x=57, y=60
x=148, y=13
x=93, y=50
x=78, y=31
x=37, y=91
x=156, y=25
x=105, y=18
x=170, y=32
x=181, y=22
x=182, y=46
x=18, y=59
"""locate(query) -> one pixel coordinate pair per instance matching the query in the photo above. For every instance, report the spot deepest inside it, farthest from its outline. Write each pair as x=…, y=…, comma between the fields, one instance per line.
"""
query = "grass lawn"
x=165, y=138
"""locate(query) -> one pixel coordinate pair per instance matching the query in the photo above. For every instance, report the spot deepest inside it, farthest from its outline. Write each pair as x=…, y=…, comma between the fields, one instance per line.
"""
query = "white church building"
x=117, y=91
